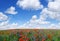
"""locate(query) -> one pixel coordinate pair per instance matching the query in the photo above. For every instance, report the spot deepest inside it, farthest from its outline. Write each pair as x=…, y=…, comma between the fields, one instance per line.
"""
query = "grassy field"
x=30, y=35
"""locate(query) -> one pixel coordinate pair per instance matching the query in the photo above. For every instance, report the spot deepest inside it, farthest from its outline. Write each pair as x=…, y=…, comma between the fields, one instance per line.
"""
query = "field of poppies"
x=30, y=35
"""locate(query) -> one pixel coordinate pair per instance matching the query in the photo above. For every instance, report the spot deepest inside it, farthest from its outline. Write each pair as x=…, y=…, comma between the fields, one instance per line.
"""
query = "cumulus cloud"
x=30, y=4
x=54, y=26
x=35, y=23
x=3, y=17
x=49, y=0
x=38, y=24
x=11, y=10
x=6, y=25
x=54, y=6
x=54, y=9
x=52, y=12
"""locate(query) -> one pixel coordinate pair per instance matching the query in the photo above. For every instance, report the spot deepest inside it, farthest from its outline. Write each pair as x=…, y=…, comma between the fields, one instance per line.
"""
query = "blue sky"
x=22, y=15
x=29, y=13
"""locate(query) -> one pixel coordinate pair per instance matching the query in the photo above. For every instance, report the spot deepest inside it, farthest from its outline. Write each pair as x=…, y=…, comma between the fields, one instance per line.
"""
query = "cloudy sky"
x=29, y=14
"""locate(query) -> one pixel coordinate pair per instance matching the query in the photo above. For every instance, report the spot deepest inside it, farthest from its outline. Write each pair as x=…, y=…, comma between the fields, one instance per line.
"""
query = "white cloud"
x=52, y=11
x=54, y=26
x=29, y=25
x=6, y=26
x=57, y=0
x=13, y=26
x=4, y=23
x=35, y=23
x=53, y=0
x=3, y=17
x=41, y=25
x=50, y=0
x=11, y=10
x=54, y=6
x=50, y=14
x=29, y=4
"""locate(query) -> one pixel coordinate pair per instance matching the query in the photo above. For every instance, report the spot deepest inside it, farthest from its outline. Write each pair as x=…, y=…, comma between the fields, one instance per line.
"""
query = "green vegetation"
x=30, y=35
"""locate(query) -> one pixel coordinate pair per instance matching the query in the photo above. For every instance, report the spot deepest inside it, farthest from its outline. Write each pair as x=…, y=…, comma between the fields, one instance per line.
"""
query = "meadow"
x=30, y=35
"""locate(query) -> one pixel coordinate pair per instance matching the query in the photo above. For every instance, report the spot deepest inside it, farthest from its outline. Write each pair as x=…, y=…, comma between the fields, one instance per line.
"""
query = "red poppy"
x=49, y=36
x=21, y=39
x=43, y=39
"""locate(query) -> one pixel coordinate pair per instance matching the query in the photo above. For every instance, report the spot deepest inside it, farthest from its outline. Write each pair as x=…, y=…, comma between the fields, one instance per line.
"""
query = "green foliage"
x=1, y=38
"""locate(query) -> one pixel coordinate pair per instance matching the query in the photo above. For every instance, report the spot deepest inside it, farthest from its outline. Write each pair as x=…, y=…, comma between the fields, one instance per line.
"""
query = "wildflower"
x=43, y=39
x=49, y=36
x=21, y=39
